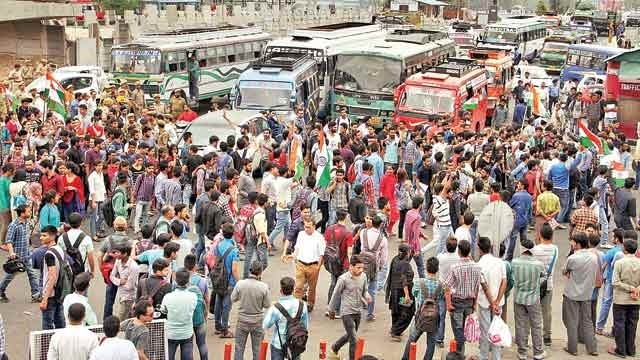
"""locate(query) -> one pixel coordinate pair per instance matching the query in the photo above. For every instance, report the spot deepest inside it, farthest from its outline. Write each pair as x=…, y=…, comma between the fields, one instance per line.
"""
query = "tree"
x=541, y=7
x=120, y=5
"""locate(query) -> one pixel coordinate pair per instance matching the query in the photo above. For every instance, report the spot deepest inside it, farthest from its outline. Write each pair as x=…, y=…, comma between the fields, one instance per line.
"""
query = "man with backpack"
x=374, y=254
x=17, y=242
x=255, y=236
x=78, y=246
x=198, y=285
x=57, y=281
x=106, y=261
x=290, y=318
x=224, y=275
x=427, y=294
x=155, y=287
x=253, y=295
x=348, y=303
x=338, y=250
x=179, y=305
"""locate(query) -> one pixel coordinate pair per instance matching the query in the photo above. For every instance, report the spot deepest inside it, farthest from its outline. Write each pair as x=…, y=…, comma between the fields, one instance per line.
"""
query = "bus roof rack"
x=415, y=36
x=456, y=67
x=280, y=60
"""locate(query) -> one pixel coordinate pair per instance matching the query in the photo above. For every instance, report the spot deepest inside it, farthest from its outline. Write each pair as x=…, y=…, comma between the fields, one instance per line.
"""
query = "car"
x=103, y=77
x=82, y=83
x=538, y=75
x=591, y=79
x=214, y=123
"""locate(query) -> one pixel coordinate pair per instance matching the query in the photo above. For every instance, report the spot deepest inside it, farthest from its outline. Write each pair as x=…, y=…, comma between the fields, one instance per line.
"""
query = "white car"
x=589, y=80
x=537, y=75
x=103, y=77
x=82, y=83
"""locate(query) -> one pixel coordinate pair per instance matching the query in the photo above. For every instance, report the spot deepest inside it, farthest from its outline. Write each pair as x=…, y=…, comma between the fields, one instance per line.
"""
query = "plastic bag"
x=472, y=329
x=499, y=333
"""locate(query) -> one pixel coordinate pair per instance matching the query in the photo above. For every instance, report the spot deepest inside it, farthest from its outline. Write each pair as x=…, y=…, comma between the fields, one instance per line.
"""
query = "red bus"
x=499, y=64
x=622, y=88
x=449, y=89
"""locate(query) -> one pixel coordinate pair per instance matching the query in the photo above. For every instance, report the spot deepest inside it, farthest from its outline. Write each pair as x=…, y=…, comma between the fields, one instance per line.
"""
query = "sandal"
x=569, y=352
x=227, y=335
x=612, y=351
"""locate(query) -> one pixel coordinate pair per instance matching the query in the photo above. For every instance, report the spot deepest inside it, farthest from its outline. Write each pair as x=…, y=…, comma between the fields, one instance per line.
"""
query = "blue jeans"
x=96, y=219
x=186, y=348
x=200, y=333
x=110, y=298
x=283, y=219
x=381, y=277
x=373, y=290
x=277, y=354
x=419, y=259
x=442, y=310
x=244, y=330
x=463, y=308
x=513, y=238
x=260, y=251
x=141, y=216
x=486, y=316
x=414, y=336
x=564, y=196
x=332, y=286
x=440, y=235
x=186, y=195
x=200, y=248
x=53, y=315
x=32, y=274
x=605, y=305
x=604, y=225
x=473, y=230
x=221, y=311
x=270, y=213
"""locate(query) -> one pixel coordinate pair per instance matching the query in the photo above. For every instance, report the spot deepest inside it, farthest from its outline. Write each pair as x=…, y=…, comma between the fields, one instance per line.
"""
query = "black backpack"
x=332, y=257
x=427, y=316
x=219, y=274
x=75, y=257
x=297, y=334
x=108, y=214
x=369, y=256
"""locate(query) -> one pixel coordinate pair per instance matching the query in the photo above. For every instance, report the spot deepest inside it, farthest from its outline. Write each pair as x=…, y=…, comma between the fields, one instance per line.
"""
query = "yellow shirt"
x=547, y=203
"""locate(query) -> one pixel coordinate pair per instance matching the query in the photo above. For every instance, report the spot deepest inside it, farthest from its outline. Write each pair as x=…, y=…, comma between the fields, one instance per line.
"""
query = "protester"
x=626, y=298
x=179, y=306
x=74, y=342
x=112, y=347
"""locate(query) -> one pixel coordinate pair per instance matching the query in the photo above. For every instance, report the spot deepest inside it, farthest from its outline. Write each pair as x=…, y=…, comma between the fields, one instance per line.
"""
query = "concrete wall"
x=30, y=39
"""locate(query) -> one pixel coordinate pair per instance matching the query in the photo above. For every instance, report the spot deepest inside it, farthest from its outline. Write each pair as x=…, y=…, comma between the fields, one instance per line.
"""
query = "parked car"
x=82, y=83
x=537, y=75
x=101, y=76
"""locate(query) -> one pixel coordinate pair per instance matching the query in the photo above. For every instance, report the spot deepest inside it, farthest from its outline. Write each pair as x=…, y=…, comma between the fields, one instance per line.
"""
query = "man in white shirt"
x=111, y=346
x=81, y=284
x=491, y=299
x=446, y=260
x=309, y=255
x=97, y=195
x=124, y=275
x=75, y=342
x=282, y=186
x=85, y=246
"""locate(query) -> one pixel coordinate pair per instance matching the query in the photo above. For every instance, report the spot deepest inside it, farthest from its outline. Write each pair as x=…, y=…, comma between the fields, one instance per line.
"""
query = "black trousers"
x=625, y=323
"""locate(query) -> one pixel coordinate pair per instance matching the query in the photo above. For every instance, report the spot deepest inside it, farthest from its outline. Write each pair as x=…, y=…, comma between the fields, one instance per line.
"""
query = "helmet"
x=13, y=266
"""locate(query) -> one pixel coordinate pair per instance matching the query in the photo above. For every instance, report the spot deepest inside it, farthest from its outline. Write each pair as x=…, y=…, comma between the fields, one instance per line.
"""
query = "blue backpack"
x=20, y=198
x=200, y=311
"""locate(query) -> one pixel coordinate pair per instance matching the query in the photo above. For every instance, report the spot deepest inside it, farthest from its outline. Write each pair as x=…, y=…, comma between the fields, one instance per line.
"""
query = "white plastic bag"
x=472, y=328
x=499, y=333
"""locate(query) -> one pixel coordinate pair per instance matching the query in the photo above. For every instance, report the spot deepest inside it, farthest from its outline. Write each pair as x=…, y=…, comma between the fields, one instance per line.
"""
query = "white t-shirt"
x=310, y=247
x=186, y=246
x=462, y=233
x=493, y=271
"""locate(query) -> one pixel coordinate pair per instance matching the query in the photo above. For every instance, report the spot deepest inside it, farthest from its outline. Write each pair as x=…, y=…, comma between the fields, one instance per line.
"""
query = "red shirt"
x=494, y=197
x=13, y=128
x=334, y=234
x=188, y=115
x=54, y=182
x=95, y=131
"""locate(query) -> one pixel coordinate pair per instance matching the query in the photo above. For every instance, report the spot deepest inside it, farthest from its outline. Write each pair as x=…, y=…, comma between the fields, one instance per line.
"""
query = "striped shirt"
x=544, y=253
x=172, y=192
x=527, y=271
x=441, y=211
x=144, y=187
x=464, y=279
x=339, y=197
x=18, y=236
x=431, y=284
x=161, y=179
x=410, y=153
x=368, y=190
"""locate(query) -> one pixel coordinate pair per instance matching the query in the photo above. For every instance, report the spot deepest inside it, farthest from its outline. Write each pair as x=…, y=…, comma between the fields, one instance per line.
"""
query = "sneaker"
x=562, y=227
x=371, y=318
x=211, y=317
x=547, y=341
x=541, y=356
x=3, y=298
x=440, y=344
x=333, y=355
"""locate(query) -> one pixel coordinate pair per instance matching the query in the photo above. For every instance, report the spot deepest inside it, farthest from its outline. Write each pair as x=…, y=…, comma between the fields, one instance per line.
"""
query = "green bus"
x=554, y=50
x=366, y=75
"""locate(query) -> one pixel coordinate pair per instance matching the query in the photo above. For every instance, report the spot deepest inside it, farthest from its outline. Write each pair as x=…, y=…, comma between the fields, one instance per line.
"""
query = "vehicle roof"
x=214, y=124
x=447, y=81
x=600, y=48
x=330, y=46
x=77, y=69
x=335, y=31
x=516, y=23
x=395, y=49
x=272, y=73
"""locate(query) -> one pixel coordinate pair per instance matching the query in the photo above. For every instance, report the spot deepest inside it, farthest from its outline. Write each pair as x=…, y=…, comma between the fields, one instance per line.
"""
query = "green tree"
x=120, y=5
x=541, y=7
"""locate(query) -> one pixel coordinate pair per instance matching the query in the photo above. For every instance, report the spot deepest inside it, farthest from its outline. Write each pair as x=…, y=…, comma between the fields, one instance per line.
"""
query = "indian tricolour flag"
x=537, y=108
x=55, y=94
x=323, y=176
x=589, y=139
x=618, y=174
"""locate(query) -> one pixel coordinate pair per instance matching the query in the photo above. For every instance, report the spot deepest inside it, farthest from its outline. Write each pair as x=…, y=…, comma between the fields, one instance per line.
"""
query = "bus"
x=525, y=33
x=323, y=43
x=551, y=20
x=465, y=35
x=278, y=82
x=581, y=23
x=366, y=75
x=586, y=58
x=499, y=64
x=159, y=60
x=445, y=90
x=554, y=51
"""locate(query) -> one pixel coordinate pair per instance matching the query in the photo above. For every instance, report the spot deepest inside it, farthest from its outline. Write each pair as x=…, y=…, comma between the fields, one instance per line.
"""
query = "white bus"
x=159, y=61
x=525, y=33
x=323, y=43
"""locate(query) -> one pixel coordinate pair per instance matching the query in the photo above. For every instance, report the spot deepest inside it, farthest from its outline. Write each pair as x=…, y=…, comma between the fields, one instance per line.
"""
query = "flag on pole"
x=323, y=176
x=537, y=108
x=589, y=139
x=55, y=95
x=618, y=173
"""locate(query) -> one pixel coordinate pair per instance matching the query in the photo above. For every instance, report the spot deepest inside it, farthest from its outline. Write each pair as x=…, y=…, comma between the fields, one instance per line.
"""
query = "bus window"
x=202, y=63
x=183, y=65
x=173, y=67
x=469, y=92
x=231, y=58
x=299, y=98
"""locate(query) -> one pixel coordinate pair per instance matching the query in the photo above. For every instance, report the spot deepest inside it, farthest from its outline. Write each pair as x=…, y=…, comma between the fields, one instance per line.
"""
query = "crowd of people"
x=118, y=164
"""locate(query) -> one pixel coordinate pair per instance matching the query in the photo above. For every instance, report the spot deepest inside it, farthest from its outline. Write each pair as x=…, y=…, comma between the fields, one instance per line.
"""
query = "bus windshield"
x=586, y=60
x=555, y=47
x=265, y=95
x=367, y=73
x=501, y=37
x=462, y=39
x=429, y=100
x=142, y=61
